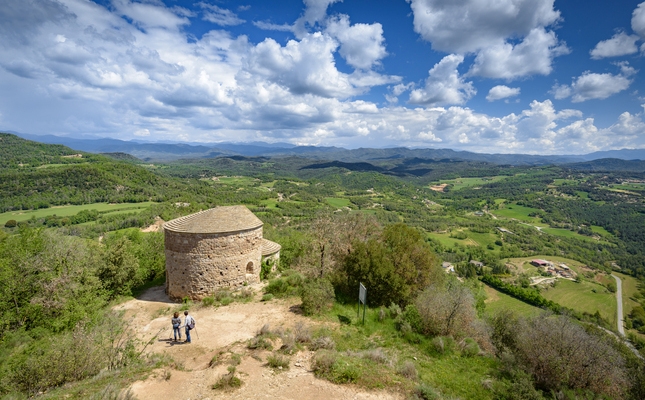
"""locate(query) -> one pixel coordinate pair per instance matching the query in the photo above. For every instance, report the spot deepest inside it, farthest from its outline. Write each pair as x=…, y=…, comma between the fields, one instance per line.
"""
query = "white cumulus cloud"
x=619, y=45
x=502, y=92
x=315, y=11
x=75, y=66
x=490, y=29
x=638, y=20
x=591, y=85
x=534, y=55
x=361, y=45
x=444, y=85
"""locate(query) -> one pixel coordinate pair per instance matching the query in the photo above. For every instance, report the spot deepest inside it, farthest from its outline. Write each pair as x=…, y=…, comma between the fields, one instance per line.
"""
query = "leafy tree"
x=394, y=267
x=317, y=296
x=119, y=270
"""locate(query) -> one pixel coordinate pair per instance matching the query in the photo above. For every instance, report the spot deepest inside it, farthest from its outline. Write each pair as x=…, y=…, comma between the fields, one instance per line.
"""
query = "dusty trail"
x=619, y=302
x=226, y=329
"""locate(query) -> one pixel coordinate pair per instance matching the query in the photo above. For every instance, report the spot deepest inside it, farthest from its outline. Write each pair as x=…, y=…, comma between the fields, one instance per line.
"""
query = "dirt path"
x=226, y=329
x=619, y=302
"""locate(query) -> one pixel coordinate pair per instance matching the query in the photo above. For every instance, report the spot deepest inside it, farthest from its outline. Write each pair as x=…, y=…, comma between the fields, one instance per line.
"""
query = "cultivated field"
x=498, y=301
x=66, y=211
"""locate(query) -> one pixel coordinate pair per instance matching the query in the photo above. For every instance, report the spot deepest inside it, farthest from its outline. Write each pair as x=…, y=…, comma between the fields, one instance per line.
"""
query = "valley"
x=487, y=225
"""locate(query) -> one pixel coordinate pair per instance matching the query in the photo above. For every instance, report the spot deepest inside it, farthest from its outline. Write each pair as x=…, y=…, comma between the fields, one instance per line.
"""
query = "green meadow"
x=569, y=234
x=337, y=202
x=518, y=212
x=497, y=301
x=461, y=183
x=66, y=211
x=586, y=296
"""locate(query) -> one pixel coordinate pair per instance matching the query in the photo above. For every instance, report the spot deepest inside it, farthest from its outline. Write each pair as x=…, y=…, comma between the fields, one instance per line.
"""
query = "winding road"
x=619, y=302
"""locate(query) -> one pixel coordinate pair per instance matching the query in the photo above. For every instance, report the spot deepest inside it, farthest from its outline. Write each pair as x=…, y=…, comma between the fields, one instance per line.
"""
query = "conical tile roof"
x=216, y=220
x=269, y=247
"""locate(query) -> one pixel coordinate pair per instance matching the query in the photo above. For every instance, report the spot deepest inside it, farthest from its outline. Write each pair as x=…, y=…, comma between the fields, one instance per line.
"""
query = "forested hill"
x=609, y=164
x=35, y=175
x=17, y=152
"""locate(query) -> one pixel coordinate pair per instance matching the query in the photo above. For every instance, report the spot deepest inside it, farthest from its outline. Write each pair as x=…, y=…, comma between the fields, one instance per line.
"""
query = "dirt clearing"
x=224, y=331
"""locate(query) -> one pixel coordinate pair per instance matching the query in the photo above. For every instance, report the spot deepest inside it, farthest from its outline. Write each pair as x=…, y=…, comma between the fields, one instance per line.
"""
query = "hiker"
x=189, y=323
x=176, y=325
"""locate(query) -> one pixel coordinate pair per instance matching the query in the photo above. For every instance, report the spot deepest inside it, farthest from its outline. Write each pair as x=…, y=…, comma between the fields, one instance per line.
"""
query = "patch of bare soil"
x=225, y=330
x=155, y=227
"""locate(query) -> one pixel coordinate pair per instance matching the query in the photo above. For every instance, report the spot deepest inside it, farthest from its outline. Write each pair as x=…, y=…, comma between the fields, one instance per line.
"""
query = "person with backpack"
x=189, y=323
x=176, y=324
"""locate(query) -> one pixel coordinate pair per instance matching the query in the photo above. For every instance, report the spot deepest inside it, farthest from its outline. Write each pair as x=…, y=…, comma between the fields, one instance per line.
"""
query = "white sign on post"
x=362, y=298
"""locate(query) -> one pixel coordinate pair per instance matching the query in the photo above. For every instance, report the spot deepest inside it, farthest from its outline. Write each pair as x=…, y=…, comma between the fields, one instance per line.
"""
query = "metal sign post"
x=362, y=298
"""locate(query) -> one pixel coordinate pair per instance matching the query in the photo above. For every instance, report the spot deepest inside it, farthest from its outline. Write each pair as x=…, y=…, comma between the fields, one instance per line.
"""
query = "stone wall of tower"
x=197, y=264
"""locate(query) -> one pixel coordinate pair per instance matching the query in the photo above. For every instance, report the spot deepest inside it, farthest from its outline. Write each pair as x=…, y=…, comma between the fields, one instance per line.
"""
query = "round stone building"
x=211, y=249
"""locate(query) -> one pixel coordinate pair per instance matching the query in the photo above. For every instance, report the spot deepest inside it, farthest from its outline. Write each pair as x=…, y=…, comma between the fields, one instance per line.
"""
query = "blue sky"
x=501, y=76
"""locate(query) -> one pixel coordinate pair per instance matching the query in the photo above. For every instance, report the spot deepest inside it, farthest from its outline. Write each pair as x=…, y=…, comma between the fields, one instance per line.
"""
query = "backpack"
x=192, y=323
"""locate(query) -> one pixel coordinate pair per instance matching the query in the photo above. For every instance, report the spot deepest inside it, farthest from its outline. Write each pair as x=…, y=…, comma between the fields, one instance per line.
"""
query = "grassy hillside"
x=35, y=175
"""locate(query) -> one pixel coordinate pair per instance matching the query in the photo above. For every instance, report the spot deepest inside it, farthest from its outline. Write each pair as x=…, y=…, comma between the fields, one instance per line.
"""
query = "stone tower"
x=211, y=249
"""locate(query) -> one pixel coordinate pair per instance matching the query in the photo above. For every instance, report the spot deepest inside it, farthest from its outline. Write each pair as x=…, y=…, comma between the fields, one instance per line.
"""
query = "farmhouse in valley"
x=215, y=248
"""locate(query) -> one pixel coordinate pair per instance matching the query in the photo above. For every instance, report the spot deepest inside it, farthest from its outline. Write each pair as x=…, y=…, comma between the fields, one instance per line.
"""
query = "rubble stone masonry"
x=197, y=264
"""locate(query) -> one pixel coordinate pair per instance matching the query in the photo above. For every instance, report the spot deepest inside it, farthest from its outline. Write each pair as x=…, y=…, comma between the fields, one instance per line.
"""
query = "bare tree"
x=447, y=310
x=559, y=353
x=332, y=236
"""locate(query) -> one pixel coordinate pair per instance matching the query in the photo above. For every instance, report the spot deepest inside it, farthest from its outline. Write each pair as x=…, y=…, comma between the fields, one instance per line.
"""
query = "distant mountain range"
x=150, y=151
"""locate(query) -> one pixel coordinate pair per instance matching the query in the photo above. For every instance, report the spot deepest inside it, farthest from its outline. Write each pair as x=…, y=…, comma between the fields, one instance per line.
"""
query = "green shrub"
x=294, y=278
x=443, y=344
x=410, y=317
x=470, y=348
x=215, y=360
x=323, y=342
x=113, y=392
x=426, y=392
x=278, y=287
x=408, y=370
x=208, y=301
x=323, y=363
x=228, y=381
x=11, y=223
x=236, y=359
x=394, y=310
x=376, y=355
x=329, y=365
x=302, y=333
x=267, y=268
x=287, y=285
x=267, y=297
x=381, y=314
x=260, y=342
x=226, y=301
x=345, y=373
x=520, y=386
x=317, y=296
x=244, y=295
x=55, y=360
x=289, y=345
x=278, y=361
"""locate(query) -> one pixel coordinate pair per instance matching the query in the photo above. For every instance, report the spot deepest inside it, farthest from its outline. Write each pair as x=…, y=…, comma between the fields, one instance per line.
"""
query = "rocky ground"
x=223, y=331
